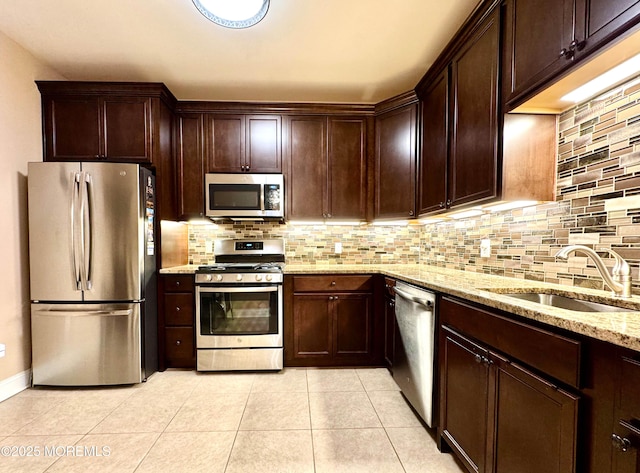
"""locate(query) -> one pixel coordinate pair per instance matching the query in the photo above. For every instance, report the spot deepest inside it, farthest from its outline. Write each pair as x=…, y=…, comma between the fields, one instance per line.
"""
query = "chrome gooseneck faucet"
x=620, y=283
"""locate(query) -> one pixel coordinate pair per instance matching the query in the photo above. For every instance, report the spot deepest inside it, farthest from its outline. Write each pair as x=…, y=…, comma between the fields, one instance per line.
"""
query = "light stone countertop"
x=620, y=328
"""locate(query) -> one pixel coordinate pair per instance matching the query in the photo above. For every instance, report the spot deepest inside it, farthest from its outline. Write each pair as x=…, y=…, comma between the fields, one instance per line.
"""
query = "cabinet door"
x=396, y=163
x=464, y=389
x=473, y=165
x=71, y=128
x=536, y=32
x=352, y=326
x=307, y=168
x=263, y=145
x=347, y=171
x=626, y=432
x=432, y=194
x=312, y=326
x=605, y=19
x=190, y=146
x=536, y=422
x=389, y=331
x=127, y=129
x=226, y=135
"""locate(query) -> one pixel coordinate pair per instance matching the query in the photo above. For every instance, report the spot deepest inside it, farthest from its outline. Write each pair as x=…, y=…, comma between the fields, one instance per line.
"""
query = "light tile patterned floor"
x=297, y=420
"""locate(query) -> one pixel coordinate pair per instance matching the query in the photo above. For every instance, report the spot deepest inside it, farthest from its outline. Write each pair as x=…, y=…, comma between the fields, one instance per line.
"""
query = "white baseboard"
x=13, y=385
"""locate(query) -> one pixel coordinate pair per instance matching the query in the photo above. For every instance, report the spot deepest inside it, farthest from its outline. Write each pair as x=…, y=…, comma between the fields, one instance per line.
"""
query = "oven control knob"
x=258, y=277
x=239, y=277
x=269, y=277
x=218, y=277
x=208, y=277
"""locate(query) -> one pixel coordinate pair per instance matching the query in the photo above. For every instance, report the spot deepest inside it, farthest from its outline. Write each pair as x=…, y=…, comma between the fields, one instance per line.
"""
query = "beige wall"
x=20, y=142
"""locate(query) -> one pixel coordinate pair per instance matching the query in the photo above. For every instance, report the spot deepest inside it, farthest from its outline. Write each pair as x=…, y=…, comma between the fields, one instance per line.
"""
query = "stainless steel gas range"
x=239, y=307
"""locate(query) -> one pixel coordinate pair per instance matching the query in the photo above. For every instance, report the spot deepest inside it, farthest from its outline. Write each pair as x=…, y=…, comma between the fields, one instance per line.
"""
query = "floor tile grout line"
x=235, y=437
x=313, y=449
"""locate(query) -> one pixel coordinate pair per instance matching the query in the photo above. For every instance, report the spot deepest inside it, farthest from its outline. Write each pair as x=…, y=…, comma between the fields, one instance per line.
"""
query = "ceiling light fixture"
x=233, y=13
x=605, y=81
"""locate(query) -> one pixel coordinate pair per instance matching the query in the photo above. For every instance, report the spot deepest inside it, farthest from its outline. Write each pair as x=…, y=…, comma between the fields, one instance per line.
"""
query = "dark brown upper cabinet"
x=326, y=167
x=545, y=38
x=115, y=121
x=190, y=146
x=474, y=105
x=79, y=127
x=459, y=122
x=395, y=160
x=244, y=143
x=434, y=110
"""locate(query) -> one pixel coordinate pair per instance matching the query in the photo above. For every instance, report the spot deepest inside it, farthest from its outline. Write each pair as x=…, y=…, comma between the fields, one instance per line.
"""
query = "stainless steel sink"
x=567, y=303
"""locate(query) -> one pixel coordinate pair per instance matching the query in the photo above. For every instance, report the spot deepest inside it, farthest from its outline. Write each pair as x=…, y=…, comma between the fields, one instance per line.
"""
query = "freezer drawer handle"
x=84, y=313
x=418, y=300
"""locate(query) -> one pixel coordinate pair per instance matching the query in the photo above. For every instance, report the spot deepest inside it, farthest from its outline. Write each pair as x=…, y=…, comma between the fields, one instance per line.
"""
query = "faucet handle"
x=621, y=268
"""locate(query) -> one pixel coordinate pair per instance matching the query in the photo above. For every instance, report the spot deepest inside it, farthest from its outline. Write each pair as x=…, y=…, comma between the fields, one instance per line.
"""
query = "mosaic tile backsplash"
x=597, y=205
x=309, y=244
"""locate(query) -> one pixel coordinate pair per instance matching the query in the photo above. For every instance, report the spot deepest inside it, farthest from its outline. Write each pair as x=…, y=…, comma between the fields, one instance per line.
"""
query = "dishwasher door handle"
x=418, y=300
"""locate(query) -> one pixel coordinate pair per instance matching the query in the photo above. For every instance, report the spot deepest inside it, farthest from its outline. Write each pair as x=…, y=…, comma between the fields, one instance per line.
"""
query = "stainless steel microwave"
x=247, y=196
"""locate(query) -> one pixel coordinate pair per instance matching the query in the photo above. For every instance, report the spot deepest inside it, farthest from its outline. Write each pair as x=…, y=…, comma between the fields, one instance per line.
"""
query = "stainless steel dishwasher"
x=413, y=369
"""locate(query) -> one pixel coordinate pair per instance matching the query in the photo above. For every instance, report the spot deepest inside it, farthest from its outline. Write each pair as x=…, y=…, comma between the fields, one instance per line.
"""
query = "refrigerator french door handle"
x=73, y=208
x=88, y=182
x=81, y=239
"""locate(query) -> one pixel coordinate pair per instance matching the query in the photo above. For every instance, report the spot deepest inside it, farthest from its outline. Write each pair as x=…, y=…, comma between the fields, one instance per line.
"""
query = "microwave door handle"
x=263, y=189
x=73, y=211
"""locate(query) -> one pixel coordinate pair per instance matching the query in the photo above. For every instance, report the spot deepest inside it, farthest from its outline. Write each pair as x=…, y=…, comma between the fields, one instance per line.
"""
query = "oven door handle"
x=238, y=289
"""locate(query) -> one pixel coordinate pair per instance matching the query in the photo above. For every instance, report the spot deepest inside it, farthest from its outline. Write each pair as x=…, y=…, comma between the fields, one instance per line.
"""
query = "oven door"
x=239, y=316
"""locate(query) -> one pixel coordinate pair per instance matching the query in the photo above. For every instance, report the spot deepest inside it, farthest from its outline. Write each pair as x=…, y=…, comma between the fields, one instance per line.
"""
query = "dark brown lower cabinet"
x=497, y=415
x=389, y=322
x=329, y=321
x=535, y=422
x=176, y=312
x=464, y=388
x=626, y=430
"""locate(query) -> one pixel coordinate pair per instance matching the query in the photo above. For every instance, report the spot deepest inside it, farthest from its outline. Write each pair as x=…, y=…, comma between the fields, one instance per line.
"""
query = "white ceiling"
x=360, y=51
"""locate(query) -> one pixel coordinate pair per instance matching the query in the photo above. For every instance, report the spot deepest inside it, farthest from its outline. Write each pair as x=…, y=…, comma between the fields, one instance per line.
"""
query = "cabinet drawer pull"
x=333, y=283
x=178, y=342
x=177, y=283
x=177, y=309
x=478, y=358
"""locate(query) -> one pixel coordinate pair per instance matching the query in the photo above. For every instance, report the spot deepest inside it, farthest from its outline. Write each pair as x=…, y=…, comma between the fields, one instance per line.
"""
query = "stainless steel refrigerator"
x=93, y=282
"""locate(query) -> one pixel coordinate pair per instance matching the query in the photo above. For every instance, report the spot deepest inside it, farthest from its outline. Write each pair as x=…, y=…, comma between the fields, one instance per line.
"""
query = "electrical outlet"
x=337, y=249
x=3, y=350
x=485, y=248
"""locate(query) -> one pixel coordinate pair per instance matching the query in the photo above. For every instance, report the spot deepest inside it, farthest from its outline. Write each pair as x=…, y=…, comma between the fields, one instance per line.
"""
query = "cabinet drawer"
x=178, y=283
x=178, y=308
x=553, y=354
x=179, y=347
x=332, y=283
x=630, y=389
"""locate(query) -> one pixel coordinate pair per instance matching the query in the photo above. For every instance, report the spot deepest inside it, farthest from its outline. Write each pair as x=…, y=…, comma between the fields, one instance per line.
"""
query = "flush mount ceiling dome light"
x=233, y=13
